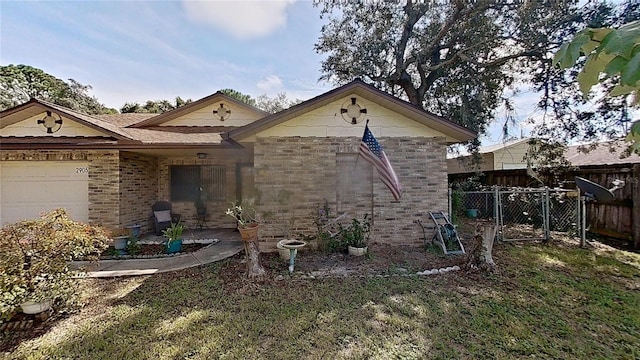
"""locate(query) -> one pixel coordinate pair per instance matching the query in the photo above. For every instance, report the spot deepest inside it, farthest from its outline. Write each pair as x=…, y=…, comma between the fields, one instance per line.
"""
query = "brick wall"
x=307, y=167
x=104, y=184
x=44, y=155
x=138, y=189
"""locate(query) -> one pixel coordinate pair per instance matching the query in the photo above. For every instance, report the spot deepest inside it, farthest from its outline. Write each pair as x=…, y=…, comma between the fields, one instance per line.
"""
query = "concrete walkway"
x=110, y=268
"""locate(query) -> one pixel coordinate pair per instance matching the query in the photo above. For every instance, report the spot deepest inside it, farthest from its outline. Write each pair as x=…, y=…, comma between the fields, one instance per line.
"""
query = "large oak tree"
x=19, y=83
x=465, y=59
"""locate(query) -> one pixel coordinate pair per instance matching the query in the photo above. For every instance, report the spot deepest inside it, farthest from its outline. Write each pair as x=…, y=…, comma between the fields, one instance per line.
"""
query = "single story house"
x=510, y=155
x=110, y=169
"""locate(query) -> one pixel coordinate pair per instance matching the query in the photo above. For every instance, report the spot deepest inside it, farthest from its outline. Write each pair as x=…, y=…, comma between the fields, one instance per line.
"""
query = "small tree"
x=245, y=216
x=34, y=262
x=611, y=55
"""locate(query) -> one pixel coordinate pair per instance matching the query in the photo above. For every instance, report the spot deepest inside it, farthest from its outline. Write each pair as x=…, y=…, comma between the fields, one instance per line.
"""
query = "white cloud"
x=271, y=83
x=241, y=19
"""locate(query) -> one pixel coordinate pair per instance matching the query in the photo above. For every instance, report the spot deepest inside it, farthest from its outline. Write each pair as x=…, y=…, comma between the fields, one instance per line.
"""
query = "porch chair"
x=162, y=216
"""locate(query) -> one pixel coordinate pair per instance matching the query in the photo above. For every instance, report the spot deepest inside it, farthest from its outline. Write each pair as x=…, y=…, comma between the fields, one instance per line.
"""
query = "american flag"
x=373, y=153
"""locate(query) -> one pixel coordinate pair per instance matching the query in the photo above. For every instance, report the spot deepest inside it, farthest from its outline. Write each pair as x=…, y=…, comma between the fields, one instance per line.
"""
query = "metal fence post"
x=547, y=223
x=496, y=211
x=582, y=222
x=449, y=204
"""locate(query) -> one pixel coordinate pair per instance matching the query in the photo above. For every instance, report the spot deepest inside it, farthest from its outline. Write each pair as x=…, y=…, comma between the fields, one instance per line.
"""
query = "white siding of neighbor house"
x=327, y=121
x=30, y=127
x=240, y=116
x=511, y=157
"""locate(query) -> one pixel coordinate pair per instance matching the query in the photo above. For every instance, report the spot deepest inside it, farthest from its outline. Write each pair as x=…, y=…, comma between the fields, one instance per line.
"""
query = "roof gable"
x=204, y=112
x=357, y=88
x=22, y=121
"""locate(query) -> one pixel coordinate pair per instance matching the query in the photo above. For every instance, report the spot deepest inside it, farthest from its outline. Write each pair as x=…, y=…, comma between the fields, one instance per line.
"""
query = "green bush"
x=356, y=234
x=35, y=255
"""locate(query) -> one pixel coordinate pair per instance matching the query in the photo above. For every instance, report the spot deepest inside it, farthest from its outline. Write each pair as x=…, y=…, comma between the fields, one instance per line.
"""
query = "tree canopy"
x=275, y=104
x=263, y=102
x=612, y=57
x=151, y=106
x=247, y=99
x=19, y=83
x=464, y=60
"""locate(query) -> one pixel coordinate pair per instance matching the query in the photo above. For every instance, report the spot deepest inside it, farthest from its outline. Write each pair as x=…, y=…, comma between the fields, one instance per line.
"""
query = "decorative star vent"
x=351, y=111
x=223, y=112
x=49, y=123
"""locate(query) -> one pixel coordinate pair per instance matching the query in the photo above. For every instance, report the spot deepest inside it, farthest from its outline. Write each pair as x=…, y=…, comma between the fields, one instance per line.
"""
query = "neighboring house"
x=110, y=169
x=509, y=155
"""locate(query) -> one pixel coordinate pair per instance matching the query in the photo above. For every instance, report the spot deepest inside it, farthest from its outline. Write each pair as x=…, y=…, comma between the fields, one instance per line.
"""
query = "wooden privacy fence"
x=620, y=219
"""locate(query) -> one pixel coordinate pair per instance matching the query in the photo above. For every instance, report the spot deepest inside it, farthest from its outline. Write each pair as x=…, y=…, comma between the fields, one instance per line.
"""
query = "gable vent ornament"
x=223, y=112
x=49, y=123
x=351, y=112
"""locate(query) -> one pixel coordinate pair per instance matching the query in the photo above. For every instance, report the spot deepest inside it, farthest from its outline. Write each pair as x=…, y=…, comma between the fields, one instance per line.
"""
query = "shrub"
x=35, y=255
x=356, y=234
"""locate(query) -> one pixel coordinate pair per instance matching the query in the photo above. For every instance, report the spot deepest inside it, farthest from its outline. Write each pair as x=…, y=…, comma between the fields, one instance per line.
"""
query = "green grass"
x=545, y=302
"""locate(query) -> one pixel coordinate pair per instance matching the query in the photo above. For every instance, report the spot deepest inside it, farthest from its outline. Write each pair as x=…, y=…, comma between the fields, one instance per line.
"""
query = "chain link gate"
x=521, y=213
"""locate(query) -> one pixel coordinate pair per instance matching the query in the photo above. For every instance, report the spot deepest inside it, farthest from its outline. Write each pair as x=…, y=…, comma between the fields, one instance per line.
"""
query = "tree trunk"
x=480, y=257
x=252, y=254
x=251, y=251
x=635, y=196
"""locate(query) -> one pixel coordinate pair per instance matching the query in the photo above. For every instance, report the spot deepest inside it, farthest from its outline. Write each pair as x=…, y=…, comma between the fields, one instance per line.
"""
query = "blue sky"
x=151, y=50
x=138, y=50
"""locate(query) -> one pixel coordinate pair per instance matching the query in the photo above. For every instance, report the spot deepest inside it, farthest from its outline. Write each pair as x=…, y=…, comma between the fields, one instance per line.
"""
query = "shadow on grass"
x=527, y=309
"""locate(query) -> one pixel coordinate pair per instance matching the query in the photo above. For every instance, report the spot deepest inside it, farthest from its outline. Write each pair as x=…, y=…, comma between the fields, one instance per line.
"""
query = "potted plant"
x=120, y=237
x=356, y=235
x=245, y=216
x=35, y=260
x=174, y=237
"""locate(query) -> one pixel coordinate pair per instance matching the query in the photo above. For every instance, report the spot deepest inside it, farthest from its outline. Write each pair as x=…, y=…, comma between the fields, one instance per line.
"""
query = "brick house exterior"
x=226, y=150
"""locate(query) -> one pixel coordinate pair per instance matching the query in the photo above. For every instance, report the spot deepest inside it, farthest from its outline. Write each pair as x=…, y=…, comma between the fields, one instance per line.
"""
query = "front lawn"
x=546, y=301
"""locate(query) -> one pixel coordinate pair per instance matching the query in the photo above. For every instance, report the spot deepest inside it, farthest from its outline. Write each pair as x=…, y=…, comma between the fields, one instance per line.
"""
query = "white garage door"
x=29, y=187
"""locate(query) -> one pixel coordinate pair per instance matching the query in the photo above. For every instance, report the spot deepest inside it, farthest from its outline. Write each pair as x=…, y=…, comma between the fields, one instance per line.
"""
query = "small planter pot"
x=250, y=232
x=36, y=307
x=135, y=230
x=356, y=251
x=120, y=242
x=174, y=247
x=472, y=213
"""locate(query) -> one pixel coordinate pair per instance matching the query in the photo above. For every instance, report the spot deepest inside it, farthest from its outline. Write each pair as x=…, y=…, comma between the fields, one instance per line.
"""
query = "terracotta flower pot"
x=250, y=232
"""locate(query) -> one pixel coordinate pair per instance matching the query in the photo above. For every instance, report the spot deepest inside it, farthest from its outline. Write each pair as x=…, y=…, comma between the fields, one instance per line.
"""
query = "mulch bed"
x=154, y=250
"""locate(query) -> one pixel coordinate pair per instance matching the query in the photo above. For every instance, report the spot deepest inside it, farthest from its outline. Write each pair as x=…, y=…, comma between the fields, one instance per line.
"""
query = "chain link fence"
x=520, y=213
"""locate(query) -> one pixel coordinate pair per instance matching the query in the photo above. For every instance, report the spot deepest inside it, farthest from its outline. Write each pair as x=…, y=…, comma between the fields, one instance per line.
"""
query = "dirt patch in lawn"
x=380, y=260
